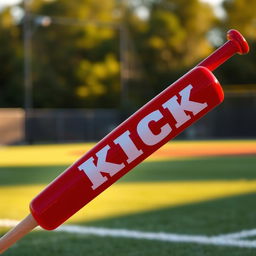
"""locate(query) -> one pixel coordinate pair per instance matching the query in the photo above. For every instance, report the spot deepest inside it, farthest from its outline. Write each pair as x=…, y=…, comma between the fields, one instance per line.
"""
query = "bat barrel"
x=236, y=44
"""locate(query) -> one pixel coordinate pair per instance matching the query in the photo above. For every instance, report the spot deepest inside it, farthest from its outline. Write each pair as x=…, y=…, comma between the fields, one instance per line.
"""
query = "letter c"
x=146, y=134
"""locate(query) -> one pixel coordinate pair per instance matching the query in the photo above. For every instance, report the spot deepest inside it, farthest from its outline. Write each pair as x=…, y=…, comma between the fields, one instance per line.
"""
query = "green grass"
x=41, y=244
x=29, y=175
x=212, y=168
x=226, y=215
x=216, y=216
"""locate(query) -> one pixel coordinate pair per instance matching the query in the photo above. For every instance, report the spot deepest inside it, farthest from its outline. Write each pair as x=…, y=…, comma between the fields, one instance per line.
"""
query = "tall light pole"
x=123, y=65
x=28, y=102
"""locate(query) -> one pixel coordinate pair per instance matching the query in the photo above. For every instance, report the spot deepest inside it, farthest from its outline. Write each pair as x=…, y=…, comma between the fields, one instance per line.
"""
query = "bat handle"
x=236, y=44
x=16, y=233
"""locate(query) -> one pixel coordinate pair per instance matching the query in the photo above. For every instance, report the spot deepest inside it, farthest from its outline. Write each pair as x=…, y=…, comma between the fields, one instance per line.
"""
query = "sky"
x=8, y=2
x=11, y=2
x=215, y=3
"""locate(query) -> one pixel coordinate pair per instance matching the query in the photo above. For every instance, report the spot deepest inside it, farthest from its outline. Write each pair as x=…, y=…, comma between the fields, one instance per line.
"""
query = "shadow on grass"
x=225, y=215
x=214, y=168
x=213, y=217
x=29, y=175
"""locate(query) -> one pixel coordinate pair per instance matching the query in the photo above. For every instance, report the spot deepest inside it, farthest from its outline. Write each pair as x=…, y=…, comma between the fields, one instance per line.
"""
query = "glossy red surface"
x=73, y=189
x=235, y=44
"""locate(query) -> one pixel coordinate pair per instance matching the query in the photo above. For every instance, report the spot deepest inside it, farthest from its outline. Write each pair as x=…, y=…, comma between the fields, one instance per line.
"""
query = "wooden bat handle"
x=16, y=233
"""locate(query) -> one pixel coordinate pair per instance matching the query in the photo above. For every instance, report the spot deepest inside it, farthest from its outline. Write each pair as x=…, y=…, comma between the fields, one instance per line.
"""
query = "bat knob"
x=234, y=36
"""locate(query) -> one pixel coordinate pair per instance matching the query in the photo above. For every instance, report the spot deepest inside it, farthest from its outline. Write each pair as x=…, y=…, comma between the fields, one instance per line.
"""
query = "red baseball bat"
x=161, y=119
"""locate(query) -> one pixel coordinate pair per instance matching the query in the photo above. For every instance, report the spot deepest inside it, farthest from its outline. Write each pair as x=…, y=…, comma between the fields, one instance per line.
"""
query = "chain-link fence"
x=235, y=118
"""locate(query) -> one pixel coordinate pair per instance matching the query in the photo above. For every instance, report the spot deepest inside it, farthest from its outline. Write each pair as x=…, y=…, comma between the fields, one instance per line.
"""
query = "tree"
x=79, y=65
x=83, y=69
x=11, y=74
x=240, y=15
x=173, y=39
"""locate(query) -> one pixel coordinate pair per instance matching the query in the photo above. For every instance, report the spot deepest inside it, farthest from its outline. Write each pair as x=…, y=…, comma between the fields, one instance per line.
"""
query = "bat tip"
x=236, y=37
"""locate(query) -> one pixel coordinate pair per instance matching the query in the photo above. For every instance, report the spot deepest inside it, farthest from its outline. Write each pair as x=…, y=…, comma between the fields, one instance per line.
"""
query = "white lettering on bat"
x=128, y=147
x=146, y=134
x=95, y=171
x=178, y=110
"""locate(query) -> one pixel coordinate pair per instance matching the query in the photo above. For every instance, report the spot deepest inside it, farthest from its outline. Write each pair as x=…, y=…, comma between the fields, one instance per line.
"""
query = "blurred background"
x=73, y=70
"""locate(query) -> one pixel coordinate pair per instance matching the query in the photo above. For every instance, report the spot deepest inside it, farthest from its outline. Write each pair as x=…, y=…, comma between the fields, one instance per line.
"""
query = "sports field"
x=189, y=198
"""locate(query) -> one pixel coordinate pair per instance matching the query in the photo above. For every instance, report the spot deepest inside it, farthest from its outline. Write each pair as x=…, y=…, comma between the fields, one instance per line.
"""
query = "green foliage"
x=114, y=54
x=172, y=40
x=83, y=69
x=11, y=61
x=240, y=15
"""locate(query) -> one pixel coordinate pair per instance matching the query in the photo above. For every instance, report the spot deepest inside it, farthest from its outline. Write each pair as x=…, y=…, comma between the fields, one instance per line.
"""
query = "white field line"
x=239, y=235
x=220, y=240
